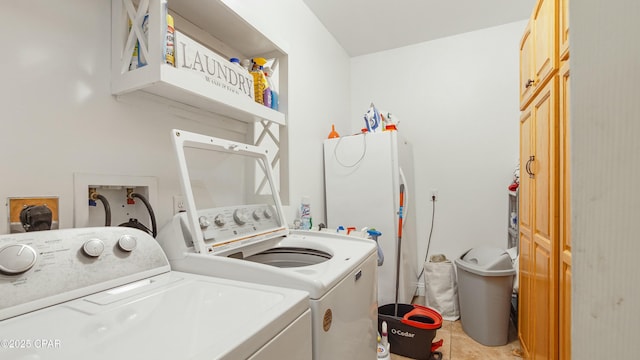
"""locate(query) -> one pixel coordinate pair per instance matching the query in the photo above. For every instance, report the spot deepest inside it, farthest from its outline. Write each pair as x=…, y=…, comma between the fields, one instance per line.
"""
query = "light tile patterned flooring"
x=459, y=346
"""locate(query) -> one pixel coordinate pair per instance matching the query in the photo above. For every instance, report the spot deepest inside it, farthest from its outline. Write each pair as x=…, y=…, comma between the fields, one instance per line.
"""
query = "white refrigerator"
x=362, y=175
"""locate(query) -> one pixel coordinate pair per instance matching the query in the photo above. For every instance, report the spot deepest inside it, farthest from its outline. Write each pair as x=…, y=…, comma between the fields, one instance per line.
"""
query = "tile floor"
x=459, y=346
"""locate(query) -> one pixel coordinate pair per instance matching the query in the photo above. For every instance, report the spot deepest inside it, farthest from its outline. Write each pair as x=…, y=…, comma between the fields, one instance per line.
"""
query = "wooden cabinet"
x=526, y=66
x=545, y=225
x=525, y=320
x=545, y=238
x=565, y=217
x=545, y=46
x=538, y=50
x=563, y=33
x=538, y=222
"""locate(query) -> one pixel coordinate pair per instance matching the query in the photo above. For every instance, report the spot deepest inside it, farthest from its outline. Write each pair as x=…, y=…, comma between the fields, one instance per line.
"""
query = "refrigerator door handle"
x=405, y=209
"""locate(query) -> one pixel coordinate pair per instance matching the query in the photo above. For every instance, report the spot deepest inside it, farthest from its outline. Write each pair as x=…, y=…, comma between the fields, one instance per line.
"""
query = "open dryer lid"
x=231, y=198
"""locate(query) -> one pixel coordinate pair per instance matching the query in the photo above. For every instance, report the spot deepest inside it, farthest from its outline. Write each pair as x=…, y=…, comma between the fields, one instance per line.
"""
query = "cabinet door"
x=545, y=41
x=565, y=218
x=544, y=190
x=544, y=165
x=524, y=218
x=543, y=299
x=563, y=39
x=525, y=314
x=526, y=67
x=538, y=224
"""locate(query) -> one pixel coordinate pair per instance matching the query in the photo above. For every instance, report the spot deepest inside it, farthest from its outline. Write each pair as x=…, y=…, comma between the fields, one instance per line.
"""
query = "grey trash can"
x=485, y=284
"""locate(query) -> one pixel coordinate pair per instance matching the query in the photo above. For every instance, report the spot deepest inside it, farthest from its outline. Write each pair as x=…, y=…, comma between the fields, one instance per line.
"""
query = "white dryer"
x=108, y=293
x=234, y=228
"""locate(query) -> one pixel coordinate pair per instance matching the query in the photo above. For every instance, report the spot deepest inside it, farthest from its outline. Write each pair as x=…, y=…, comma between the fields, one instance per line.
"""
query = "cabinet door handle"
x=528, y=166
x=529, y=83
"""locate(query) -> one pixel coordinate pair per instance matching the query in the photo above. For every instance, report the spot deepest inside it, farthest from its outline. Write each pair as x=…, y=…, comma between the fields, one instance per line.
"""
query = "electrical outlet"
x=17, y=204
x=179, y=204
x=434, y=194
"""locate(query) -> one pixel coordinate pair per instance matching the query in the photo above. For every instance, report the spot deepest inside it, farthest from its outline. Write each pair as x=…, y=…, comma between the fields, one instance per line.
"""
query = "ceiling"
x=368, y=26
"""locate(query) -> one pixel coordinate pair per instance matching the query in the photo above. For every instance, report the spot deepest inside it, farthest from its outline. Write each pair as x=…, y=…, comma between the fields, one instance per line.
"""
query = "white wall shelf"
x=223, y=26
x=168, y=82
x=211, y=23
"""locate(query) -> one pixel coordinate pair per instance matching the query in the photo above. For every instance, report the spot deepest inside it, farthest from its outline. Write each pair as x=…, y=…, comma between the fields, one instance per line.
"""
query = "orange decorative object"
x=333, y=133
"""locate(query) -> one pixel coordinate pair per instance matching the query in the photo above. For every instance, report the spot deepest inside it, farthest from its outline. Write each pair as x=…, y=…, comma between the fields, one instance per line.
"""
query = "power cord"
x=154, y=226
x=433, y=215
x=364, y=151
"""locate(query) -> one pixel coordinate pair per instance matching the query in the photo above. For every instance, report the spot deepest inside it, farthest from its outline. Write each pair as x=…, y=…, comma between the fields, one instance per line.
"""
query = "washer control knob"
x=240, y=217
x=256, y=215
x=267, y=213
x=204, y=222
x=219, y=220
x=93, y=247
x=127, y=243
x=17, y=258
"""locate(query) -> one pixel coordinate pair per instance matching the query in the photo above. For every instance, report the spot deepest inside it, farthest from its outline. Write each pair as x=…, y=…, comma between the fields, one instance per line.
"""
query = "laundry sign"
x=212, y=68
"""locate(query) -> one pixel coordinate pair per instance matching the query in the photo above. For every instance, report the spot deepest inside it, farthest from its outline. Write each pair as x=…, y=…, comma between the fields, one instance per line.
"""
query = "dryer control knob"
x=267, y=213
x=219, y=220
x=17, y=258
x=204, y=222
x=256, y=215
x=93, y=247
x=240, y=217
x=127, y=243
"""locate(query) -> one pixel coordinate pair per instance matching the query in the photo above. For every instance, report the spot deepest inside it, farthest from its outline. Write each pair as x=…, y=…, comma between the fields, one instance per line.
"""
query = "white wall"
x=318, y=91
x=58, y=116
x=457, y=99
x=605, y=166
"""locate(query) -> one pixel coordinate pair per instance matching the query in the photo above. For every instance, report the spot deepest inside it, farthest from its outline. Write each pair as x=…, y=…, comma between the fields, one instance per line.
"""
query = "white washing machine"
x=108, y=293
x=234, y=228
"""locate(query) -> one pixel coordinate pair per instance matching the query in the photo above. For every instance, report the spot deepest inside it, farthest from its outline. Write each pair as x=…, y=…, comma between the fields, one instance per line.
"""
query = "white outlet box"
x=178, y=204
x=113, y=187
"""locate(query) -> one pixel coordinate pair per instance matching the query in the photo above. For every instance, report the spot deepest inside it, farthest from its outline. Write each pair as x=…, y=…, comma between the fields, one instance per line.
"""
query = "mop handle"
x=399, y=245
x=401, y=211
